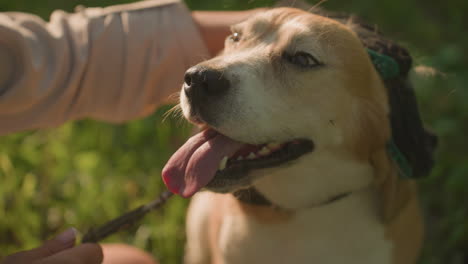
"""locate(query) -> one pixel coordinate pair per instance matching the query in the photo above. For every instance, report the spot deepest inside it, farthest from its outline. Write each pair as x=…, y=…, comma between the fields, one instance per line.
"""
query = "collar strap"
x=403, y=164
x=388, y=68
x=253, y=197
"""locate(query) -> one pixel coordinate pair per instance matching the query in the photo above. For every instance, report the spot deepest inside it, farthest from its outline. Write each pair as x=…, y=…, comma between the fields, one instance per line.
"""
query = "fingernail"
x=67, y=237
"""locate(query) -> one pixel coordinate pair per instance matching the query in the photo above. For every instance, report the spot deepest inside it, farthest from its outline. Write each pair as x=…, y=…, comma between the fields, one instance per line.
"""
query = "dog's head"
x=292, y=101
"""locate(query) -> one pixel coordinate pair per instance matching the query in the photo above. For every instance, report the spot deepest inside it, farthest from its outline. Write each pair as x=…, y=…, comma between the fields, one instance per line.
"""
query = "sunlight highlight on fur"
x=426, y=71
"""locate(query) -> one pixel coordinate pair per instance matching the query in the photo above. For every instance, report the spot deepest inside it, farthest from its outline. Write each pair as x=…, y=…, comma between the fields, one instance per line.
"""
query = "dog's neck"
x=315, y=179
x=253, y=197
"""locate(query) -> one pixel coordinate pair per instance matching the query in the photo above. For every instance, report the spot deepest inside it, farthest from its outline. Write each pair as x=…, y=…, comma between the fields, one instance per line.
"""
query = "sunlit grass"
x=84, y=173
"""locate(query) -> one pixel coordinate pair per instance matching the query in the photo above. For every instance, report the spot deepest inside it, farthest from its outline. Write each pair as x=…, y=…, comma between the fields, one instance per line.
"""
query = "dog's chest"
x=345, y=232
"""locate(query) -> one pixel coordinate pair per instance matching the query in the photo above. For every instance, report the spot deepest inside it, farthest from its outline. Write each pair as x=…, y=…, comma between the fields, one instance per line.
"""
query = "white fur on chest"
x=346, y=231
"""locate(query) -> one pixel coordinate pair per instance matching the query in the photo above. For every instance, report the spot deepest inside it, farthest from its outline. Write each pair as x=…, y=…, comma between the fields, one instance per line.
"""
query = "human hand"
x=60, y=249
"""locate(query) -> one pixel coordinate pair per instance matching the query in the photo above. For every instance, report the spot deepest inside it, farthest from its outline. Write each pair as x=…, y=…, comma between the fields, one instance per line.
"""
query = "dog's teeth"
x=264, y=151
x=240, y=158
x=251, y=156
x=274, y=145
x=222, y=164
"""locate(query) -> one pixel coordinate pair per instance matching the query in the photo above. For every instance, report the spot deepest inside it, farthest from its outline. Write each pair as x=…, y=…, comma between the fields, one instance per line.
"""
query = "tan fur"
x=344, y=109
x=399, y=210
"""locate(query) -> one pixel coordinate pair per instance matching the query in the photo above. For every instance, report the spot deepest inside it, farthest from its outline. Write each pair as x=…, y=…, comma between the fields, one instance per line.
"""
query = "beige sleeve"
x=113, y=64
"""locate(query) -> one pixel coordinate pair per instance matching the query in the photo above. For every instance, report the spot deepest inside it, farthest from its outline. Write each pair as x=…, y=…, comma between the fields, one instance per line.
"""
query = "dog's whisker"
x=293, y=3
x=314, y=7
x=175, y=111
x=174, y=97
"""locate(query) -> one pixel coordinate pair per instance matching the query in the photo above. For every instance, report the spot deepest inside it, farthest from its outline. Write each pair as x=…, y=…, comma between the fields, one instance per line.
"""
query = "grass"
x=84, y=173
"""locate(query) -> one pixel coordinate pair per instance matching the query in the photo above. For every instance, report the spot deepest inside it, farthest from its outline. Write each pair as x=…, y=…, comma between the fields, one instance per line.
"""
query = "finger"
x=61, y=242
x=82, y=254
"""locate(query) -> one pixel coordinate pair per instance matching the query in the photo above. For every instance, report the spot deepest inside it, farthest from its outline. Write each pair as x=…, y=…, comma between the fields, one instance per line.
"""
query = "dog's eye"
x=235, y=37
x=302, y=59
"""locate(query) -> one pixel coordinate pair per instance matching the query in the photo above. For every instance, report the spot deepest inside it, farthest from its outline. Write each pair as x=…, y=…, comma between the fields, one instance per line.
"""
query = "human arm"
x=113, y=64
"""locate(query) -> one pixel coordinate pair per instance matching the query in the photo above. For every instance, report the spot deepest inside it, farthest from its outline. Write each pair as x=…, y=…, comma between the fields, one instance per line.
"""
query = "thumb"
x=59, y=243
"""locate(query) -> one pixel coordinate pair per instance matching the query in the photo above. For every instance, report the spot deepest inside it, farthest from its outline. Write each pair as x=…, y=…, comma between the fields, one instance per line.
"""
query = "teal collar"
x=388, y=68
x=403, y=165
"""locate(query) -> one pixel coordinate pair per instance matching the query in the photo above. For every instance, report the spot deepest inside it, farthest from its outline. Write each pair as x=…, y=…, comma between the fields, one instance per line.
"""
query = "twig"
x=124, y=221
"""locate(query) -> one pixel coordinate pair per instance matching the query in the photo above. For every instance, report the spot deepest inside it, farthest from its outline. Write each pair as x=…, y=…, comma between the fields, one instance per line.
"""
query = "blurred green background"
x=84, y=173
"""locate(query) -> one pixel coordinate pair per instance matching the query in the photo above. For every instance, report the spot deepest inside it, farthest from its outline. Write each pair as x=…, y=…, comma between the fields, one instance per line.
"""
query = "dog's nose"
x=202, y=82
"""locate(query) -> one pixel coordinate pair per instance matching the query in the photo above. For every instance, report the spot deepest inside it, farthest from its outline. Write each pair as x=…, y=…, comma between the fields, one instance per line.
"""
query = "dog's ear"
x=415, y=142
x=409, y=138
x=409, y=153
x=409, y=135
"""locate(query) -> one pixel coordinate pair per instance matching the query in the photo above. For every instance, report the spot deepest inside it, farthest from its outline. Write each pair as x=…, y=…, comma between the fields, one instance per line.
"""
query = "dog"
x=293, y=151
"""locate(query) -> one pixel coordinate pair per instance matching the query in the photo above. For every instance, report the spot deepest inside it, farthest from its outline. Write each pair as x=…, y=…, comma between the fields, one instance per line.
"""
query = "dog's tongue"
x=196, y=162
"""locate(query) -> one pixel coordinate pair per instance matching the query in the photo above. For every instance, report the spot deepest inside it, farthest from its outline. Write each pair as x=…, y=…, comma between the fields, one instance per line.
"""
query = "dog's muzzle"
x=203, y=85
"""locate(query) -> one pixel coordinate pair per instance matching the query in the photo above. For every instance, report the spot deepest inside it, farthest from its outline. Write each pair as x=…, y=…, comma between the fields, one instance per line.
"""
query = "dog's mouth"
x=210, y=159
